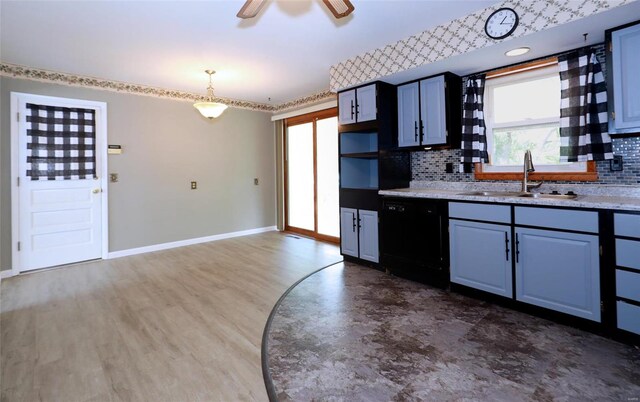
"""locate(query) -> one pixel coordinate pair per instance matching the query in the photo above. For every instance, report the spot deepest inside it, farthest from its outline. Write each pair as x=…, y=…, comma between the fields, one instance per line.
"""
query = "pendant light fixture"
x=210, y=109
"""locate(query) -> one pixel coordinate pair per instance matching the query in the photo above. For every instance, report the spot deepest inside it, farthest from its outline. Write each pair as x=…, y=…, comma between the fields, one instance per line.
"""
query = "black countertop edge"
x=264, y=353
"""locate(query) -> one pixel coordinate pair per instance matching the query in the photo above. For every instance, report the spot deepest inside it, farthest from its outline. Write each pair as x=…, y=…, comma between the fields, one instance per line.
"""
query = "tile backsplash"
x=430, y=165
x=629, y=149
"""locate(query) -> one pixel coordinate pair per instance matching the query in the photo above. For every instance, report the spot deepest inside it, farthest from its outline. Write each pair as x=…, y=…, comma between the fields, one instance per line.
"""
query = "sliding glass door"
x=311, y=143
x=301, y=177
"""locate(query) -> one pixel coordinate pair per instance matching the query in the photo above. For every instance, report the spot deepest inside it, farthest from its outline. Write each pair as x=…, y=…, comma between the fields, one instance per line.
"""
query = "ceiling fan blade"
x=339, y=8
x=251, y=8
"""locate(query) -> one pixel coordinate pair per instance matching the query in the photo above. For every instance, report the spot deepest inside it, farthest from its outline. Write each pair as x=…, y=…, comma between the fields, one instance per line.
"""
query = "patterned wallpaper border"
x=35, y=74
x=307, y=101
x=459, y=36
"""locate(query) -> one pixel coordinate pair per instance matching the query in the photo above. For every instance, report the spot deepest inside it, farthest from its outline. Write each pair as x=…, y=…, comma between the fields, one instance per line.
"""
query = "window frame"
x=580, y=171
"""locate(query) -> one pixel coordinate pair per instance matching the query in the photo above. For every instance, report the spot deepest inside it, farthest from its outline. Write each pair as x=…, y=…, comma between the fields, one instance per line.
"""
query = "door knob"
x=96, y=190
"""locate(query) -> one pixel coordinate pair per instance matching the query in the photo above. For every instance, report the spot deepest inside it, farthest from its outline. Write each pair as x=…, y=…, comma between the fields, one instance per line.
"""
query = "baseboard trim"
x=188, y=242
x=6, y=274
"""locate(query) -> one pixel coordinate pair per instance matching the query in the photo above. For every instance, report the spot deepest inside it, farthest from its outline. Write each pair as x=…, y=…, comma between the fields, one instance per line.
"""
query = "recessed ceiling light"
x=517, y=51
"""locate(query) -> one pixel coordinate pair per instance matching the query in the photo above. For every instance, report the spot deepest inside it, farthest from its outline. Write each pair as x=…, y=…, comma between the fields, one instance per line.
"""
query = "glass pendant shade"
x=210, y=109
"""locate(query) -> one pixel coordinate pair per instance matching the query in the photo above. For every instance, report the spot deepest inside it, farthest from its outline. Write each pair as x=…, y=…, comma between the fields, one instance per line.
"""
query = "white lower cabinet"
x=348, y=231
x=628, y=288
x=359, y=233
x=627, y=226
x=628, y=317
x=559, y=271
x=480, y=256
x=556, y=266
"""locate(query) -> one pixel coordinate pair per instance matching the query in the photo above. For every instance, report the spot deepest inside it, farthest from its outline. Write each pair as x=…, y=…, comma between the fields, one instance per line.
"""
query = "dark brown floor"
x=353, y=333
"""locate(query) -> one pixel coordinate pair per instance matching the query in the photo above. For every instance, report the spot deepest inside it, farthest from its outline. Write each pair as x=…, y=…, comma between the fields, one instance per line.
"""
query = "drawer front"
x=481, y=212
x=626, y=225
x=628, y=253
x=628, y=285
x=566, y=219
x=629, y=317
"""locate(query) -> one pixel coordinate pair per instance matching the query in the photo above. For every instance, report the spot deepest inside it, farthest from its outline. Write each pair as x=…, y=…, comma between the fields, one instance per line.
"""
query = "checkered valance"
x=583, y=109
x=60, y=143
x=474, y=138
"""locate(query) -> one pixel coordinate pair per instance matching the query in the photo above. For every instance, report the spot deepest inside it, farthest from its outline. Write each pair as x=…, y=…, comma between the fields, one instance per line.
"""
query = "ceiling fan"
x=339, y=8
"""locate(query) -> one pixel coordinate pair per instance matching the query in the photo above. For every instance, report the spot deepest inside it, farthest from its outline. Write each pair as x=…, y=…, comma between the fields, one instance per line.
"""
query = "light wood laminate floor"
x=176, y=325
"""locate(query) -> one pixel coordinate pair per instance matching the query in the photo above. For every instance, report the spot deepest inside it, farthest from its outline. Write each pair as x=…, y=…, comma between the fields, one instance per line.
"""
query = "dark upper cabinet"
x=369, y=161
x=429, y=112
x=623, y=81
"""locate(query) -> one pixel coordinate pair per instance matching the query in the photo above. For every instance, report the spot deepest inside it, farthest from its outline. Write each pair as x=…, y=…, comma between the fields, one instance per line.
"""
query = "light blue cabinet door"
x=481, y=256
x=347, y=107
x=369, y=235
x=559, y=271
x=433, y=111
x=366, y=103
x=626, y=79
x=348, y=232
x=628, y=317
x=408, y=115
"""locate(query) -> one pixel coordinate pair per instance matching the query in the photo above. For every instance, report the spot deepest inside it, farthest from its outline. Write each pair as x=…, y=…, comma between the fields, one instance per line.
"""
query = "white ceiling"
x=283, y=54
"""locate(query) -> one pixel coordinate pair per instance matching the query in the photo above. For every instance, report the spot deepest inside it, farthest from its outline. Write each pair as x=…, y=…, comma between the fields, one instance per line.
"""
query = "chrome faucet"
x=528, y=168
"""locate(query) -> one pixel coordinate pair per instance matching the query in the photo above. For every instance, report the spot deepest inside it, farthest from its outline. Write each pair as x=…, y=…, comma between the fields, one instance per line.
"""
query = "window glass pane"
x=510, y=144
x=327, y=154
x=300, y=182
x=535, y=99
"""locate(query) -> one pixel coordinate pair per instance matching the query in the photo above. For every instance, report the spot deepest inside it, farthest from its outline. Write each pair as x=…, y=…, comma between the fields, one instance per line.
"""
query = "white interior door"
x=59, y=179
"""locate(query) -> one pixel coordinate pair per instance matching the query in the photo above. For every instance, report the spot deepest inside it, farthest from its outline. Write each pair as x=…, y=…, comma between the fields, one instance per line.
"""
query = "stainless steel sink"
x=521, y=194
x=550, y=196
x=493, y=193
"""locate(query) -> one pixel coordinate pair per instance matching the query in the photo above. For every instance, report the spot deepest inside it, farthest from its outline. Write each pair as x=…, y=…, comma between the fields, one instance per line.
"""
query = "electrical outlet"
x=113, y=177
x=448, y=167
x=194, y=185
x=255, y=181
x=616, y=163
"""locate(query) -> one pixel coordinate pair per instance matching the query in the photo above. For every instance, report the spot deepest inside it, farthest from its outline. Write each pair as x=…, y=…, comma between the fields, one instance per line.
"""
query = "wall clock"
x=501, y=23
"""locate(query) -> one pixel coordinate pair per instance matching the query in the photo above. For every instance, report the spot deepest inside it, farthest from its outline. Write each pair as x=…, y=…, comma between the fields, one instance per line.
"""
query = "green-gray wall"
x=166, y=145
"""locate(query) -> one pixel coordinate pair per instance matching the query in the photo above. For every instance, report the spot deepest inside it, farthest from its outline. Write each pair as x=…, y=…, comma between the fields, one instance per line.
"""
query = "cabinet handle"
x=506, y=243
x=352, y=109
x=357, y=109
x=415, y=131
x=353, y=216
x=441, y=236
x=359, y=226
x=517, y=248
x=421, y=131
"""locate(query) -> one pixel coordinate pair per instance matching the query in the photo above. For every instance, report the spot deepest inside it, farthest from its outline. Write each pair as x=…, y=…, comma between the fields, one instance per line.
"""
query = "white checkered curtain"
x=583, y=109
x=60, y=143
x=474, y=138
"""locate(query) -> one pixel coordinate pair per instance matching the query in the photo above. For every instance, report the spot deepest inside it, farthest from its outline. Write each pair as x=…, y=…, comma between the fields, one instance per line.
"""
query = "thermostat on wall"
x=114, y=149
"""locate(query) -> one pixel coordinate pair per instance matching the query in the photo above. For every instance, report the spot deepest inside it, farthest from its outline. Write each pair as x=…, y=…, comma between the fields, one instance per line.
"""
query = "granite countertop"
x=589, y=196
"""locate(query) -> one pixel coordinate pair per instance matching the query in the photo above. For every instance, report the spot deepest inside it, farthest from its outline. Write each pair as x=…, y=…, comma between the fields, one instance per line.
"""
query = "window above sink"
x=522, y=111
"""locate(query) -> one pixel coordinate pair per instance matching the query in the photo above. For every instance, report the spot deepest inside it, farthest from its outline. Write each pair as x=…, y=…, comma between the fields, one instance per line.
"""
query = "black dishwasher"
x=414, y=239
